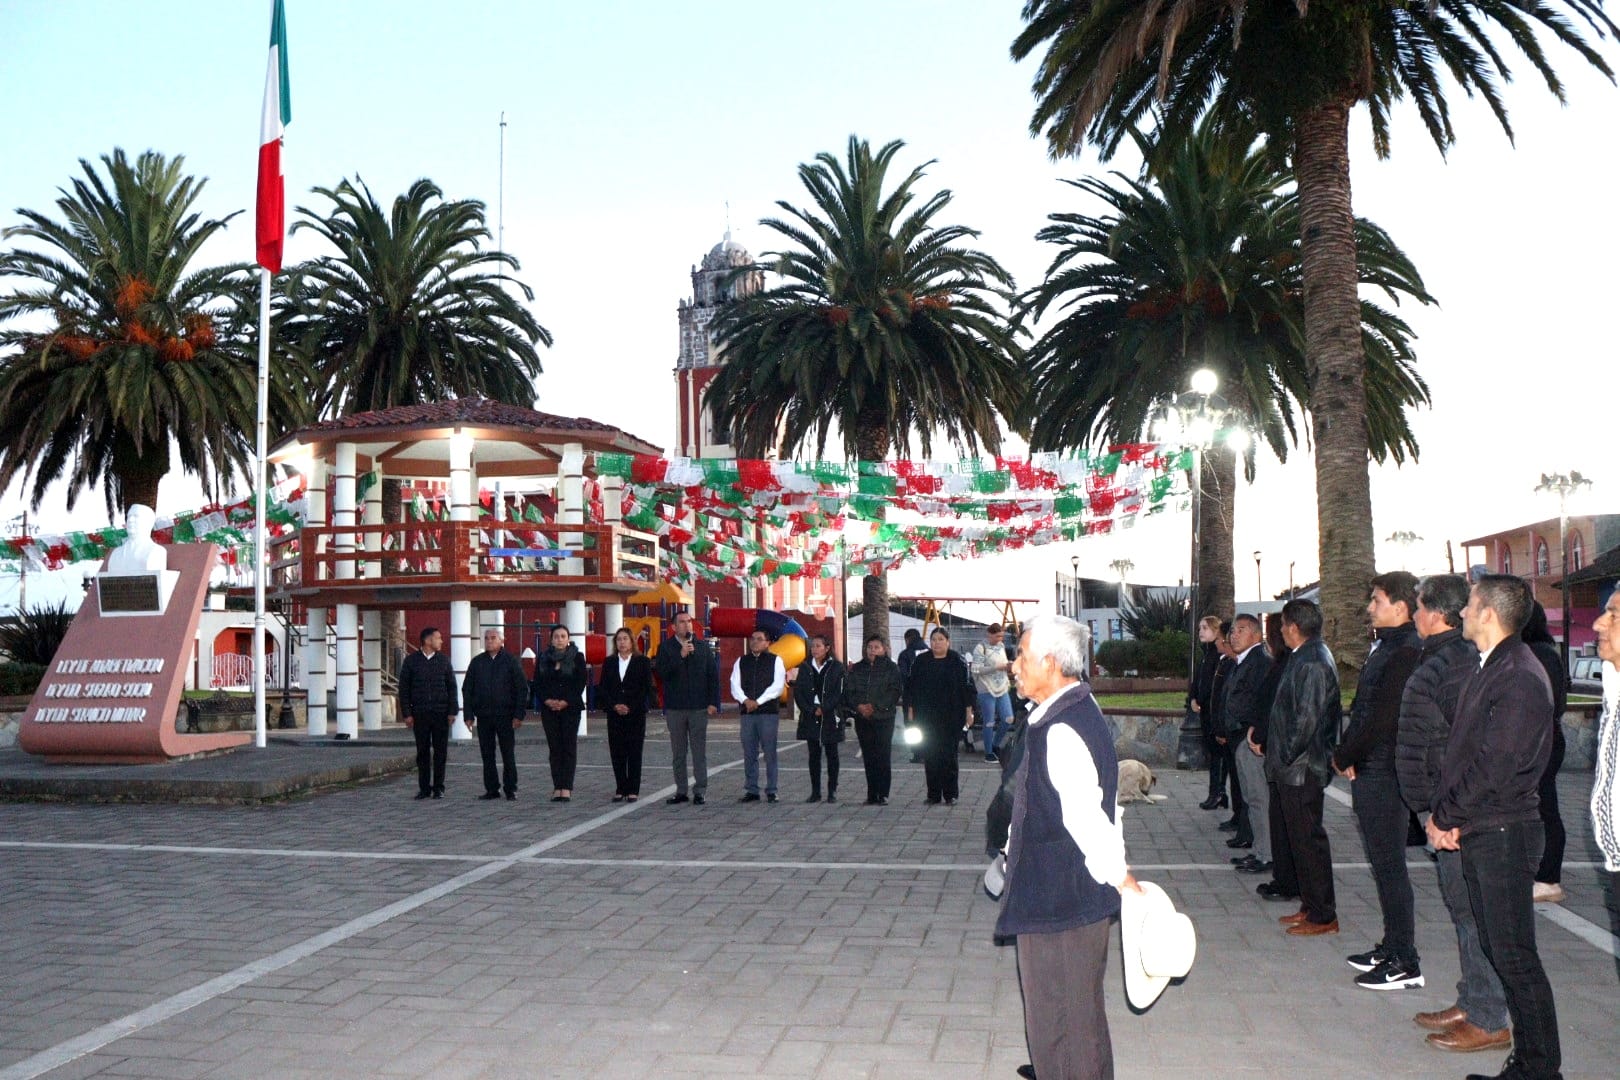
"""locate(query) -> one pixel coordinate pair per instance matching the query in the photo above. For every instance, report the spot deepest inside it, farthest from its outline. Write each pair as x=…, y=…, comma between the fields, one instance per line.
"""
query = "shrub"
x=1165, y=654
x=33, y=636
x=18, y=678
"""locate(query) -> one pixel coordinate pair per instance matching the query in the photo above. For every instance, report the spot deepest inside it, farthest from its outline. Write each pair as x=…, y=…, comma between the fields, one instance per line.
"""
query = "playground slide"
x=792, y=642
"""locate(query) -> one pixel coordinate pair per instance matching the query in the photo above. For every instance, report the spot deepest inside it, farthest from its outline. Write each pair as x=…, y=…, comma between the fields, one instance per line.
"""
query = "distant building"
x=699, y=360
x=1527, y=551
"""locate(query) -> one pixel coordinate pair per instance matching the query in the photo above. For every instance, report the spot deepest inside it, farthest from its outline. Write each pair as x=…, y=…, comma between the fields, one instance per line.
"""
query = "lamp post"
x=1564, y=485
x=1122, y=567
x=1194, y=420
x=1259, y=592
x=1405, y=539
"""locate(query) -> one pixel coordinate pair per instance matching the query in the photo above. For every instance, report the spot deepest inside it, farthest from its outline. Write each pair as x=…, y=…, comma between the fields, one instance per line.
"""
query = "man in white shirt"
x=757, y=681
x=1065, y=857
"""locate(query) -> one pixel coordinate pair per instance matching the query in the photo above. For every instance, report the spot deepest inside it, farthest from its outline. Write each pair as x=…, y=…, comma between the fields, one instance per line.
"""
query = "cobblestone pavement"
x=361, y=934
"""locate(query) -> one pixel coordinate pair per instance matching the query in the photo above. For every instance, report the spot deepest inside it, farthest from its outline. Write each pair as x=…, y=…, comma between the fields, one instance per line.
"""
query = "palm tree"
x=129, y=353
x=884, y=325
x=412, y=308
x=1294, y=71
x=1198, y=265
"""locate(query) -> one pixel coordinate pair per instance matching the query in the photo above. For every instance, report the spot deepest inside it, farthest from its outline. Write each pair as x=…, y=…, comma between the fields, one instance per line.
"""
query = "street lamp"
x=1405, y=539
x=1565, y=485
x=1074, y=583
x=1122, y=567
x=1259, y=591
x=1194, y=420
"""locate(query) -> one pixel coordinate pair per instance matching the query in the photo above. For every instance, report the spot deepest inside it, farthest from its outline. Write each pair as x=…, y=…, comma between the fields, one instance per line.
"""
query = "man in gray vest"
x=757, y=681
x=1065, y=857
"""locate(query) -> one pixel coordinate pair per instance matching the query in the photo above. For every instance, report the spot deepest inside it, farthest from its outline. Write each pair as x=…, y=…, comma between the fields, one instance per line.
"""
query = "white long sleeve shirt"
x=770, y=693
x=1073, y=773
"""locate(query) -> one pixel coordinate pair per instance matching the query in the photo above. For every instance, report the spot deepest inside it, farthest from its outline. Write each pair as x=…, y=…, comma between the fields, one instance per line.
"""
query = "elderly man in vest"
x=1065, y=857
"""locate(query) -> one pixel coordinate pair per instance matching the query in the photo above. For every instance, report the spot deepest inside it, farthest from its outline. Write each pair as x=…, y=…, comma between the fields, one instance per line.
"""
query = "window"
x=1577, y=554
x=1116, y=630
x=1507, y=560
x=1543, y=561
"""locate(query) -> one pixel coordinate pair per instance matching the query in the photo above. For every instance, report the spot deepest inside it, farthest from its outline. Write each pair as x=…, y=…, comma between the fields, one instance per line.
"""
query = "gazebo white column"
x=461, y=613
x=347, y=680
x=371, y=699
x=612, y=514
x=495, y=618
x=315, y=682
x=571, y=511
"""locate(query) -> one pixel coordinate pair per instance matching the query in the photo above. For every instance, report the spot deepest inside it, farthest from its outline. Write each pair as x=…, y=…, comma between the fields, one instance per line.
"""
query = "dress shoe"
x=438, y=793
x=1239, y=859
x=511, y=796
x=618, y=798
x=1314, y=929
x=950, y=802
x=486, y=796
x=1444, y=1020
x=1465, y=1038
x=424, y=794
x=749, y=796
x=1511, y=1070
x=678, y=798
x=871, y=800
x=1270, y=890
x=933, y=800
x=1240, y=843
x=1295, y=919
x=697, y=800
x=1027, y=1072
x=831, y=797
x=883, y=800
x=1255, y=867
x=1227, y=826
x=770, y=796
x=815, y=796
x=1214, y=802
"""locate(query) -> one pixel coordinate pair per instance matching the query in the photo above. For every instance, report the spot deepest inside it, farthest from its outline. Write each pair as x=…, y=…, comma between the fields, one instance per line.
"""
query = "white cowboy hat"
x=995, y=876
x=1157, y=943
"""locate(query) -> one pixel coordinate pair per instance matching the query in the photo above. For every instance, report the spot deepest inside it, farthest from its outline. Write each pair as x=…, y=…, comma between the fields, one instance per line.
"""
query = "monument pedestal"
x=112, y=693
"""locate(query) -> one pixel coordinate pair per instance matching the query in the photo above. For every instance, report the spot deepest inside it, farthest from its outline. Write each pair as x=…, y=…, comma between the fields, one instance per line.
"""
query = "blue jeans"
x=995, y=713
x=759, y=733
x=1479, y=991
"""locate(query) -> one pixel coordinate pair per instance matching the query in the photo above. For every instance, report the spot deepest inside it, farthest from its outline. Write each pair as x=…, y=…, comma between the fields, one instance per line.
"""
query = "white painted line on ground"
x=292, y=853
x=73, y=1049
x=1337, y=794
x=1583, y=928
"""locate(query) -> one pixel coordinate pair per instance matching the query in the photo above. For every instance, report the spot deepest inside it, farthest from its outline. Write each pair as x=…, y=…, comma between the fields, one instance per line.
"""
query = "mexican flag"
x=271, y=224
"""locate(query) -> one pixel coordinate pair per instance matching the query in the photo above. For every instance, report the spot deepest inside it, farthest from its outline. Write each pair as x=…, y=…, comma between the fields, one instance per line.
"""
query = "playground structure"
x=932, y=610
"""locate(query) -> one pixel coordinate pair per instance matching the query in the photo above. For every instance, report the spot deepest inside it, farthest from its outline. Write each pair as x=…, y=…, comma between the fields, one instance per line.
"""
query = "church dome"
x=726, y=255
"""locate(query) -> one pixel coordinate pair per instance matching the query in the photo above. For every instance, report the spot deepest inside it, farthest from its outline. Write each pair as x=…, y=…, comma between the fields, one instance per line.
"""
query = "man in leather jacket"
x=1303, y=725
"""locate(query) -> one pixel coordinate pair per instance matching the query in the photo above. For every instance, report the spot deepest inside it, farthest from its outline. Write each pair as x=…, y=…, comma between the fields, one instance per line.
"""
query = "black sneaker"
x=1270, y=890
x=1391, y=975
x=1369, y=960
x=697, y=800
x=770, y=797
x=749, y=796
x=815, y=796
x=678, y=797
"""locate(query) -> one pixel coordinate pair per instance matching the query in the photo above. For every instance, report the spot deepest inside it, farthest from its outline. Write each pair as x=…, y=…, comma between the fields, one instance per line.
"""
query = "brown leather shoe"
x=1314, y=929
x=1466, y=1038
x=1295, y=919
x=1444, y=1020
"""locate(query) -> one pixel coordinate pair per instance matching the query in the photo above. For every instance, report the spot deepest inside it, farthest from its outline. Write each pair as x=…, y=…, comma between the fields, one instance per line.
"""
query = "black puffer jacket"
x=1304, y=719
x=1428, y=706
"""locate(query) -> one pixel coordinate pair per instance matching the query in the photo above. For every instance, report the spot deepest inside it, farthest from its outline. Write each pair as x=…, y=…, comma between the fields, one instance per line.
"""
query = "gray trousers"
x=1251, y=774
x=759, y=737
x=1479, y=991
x=1061, y=977
x=689, y=727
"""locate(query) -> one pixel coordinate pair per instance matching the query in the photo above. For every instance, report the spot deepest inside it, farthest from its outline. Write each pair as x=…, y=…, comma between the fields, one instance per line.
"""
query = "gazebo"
x=347, y=563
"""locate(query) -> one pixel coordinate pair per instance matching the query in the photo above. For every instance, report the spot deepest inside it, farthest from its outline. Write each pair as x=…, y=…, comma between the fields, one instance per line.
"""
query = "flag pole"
x=261, y=426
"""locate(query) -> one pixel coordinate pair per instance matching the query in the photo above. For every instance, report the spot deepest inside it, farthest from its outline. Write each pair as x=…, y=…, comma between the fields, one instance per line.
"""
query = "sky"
x=632, y=125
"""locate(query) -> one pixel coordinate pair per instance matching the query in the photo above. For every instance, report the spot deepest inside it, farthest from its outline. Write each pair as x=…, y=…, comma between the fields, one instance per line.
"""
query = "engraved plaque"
x=129, y=593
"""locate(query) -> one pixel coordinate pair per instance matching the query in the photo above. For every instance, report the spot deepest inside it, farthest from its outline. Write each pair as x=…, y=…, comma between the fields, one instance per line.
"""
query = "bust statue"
x=138, y=554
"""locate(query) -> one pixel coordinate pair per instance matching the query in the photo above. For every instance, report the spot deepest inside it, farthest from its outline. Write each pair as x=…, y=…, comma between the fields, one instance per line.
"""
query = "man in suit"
x=686, y=667
x=1065, y=857
x=1244, y=710
x=427, y=701
x=495, y=691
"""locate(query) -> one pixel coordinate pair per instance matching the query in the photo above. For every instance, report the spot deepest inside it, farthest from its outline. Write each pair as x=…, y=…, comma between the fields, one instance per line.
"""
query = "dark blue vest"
x=1048, y=888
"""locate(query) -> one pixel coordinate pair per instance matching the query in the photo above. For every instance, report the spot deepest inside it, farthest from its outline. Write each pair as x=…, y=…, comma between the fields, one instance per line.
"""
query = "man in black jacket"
x=1485, y=805
x=1479, y=1019
x=686, y=667
x=1244, y=710
x=1366, y=757
x=427, y=701
x=495, y=692
x=1303, y=723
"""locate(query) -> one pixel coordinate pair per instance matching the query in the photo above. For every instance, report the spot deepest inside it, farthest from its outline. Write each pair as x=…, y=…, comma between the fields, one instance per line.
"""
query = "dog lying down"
x=1136, y=782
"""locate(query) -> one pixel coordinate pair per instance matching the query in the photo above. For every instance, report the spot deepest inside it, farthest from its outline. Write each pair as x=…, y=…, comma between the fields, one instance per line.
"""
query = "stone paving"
x=360, y=934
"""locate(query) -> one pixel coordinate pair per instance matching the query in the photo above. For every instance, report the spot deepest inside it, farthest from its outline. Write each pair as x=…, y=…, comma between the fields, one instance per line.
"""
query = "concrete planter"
x=1150, y=736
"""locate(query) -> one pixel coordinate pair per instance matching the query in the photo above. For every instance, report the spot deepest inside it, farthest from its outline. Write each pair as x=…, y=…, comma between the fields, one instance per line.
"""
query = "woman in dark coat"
x=818, y=694
x=1199, y=695
x=871, y=695
x=621, y=692
x=938, y=696
x=1550, y=874
x=559, y=693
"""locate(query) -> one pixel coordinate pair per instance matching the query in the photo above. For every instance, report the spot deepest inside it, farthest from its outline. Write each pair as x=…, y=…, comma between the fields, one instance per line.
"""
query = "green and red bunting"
x=270, y=217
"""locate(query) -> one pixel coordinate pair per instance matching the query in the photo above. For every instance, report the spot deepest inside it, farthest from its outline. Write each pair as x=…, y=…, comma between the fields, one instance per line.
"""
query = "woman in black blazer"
x=622, y=693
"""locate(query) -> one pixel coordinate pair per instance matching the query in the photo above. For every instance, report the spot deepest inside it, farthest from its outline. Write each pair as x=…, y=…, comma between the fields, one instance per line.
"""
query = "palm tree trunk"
x=873, y=445
x=1216, y=568
x=1337, y=365
x=137, y=473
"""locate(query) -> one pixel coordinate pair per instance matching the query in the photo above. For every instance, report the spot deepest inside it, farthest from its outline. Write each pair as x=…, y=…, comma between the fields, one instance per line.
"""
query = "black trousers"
x=1061, y=978
x=1308, y=844
x=876, y=737
x=1240, y=808
x=1500, y=866
x=817, y=748
x=626, y=734
x=1217, y=763
x=939, y=760
x=1381, y=819
x=432, y=749
x=562, y=741
x=1551, y=870
x=1283, y=874
x=493, y=732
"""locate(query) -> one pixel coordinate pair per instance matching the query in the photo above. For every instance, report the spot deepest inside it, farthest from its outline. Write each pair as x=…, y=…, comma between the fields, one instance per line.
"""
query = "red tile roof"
x=470, y=412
